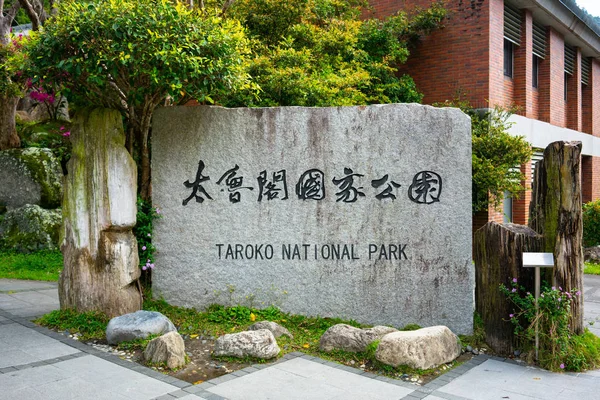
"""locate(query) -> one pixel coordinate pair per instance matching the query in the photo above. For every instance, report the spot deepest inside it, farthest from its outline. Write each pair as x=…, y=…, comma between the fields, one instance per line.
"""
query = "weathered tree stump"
x=101, y=268
x=555, y=213
x=498, y=255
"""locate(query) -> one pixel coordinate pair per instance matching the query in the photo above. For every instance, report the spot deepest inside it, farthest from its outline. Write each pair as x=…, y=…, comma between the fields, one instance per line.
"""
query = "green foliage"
x=146, y=214
x=411, y=327
x=591, y=223
x=53, y=135
x=321, y=53
x=12, y=62
x=139, y=52
x=497, y=155
x=591, y=268
x=39, y=266
x=90, y=324
x=559, y=349
x=477, y=339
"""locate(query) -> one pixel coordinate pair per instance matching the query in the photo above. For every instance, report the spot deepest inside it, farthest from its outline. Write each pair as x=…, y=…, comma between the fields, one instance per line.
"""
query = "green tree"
x=497, y=155
x=10, y=63
x=134, y=55
x=322, y=53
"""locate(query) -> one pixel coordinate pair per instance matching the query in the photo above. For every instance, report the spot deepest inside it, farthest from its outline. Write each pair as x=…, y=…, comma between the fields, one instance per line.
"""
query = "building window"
x=566, y=84
x=535, y=71
x=509, y=55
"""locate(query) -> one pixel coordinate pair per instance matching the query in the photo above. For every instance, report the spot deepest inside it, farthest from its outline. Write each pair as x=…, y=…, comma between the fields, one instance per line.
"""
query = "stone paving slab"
x=20, y=345
x=18, y=285
x=496, y=380
x=300, y=378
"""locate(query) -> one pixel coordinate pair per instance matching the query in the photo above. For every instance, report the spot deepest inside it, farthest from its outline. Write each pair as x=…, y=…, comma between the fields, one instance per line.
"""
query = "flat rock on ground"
x=349, y=338
x=168, y=349
x=259, y=344
x=137, y=325
x=423, y=348
x=276, y=329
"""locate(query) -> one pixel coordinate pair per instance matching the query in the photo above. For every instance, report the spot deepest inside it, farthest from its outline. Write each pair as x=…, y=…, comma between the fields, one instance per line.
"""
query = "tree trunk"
x=101, y=265
x=8, y=104
x=555, y=213
x=498, y=255
x=8, y=130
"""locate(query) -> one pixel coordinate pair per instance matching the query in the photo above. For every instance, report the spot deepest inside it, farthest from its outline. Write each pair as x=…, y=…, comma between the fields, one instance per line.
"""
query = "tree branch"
x=226, y=5
x=35, y=11
x=32, y=14
x=12, y=11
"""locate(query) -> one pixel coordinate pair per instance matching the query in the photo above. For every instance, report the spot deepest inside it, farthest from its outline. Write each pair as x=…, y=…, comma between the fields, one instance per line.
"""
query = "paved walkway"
x=36, y=363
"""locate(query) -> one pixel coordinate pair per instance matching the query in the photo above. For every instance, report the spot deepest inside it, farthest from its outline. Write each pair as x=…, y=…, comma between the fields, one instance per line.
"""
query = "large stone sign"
x=353, y=212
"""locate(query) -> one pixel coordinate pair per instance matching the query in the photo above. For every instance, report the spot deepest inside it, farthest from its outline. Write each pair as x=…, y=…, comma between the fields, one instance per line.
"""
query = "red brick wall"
x=520, y=207
x=501, y=87
x=590, y=98
x=523, y=75
x=590, y=178
x=552, y=71
x=453, y=60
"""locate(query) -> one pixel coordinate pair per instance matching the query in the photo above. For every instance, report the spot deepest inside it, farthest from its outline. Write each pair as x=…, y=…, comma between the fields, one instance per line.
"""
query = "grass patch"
x=39, y=266
x=91, y=325
x=477, y=339
x=591, y=268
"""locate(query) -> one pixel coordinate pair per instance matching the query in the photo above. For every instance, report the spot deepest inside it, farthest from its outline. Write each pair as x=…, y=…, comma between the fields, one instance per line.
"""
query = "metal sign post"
x=537, y=261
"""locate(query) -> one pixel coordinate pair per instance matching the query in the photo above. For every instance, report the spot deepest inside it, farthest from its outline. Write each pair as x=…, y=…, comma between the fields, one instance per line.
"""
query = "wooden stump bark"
x=555, y=213
x=498, y=255
x=101, y=265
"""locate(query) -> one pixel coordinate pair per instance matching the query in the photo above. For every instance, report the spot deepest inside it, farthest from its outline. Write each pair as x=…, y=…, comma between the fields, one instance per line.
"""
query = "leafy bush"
x=496, y=157
x=322, y=53
x=90, y=324
x=591, y=223
x=146, y=214
x=559, y=349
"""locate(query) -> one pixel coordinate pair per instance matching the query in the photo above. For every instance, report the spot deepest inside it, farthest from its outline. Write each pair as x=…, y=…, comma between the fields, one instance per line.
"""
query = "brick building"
x=539, y=55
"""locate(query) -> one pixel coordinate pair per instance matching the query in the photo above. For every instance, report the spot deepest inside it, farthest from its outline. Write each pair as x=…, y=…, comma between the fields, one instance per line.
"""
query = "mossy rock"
x=30, y=228
x=30, y=176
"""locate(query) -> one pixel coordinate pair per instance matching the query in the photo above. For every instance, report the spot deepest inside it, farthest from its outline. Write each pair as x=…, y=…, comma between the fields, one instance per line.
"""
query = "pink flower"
x=149, y=235
x=143, y=247
x=511, y=315
x=62, y=128
x=144, y=267
x=562, y=366
x=578, y=293
x=514, y=280
x=514, y=290
x=67, y=134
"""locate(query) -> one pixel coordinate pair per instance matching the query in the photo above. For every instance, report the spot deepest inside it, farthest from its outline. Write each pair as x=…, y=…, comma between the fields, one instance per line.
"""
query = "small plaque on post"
x=544, y=260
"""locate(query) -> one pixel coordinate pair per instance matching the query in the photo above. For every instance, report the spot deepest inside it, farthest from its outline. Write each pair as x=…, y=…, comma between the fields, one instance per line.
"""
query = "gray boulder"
x=276, y=329
x=30, y=176
x=137, y=325
x=423, y=349
x=348, y=338
x=259, y=344
x=30, y=228
x=168, y=349
x=592, y=254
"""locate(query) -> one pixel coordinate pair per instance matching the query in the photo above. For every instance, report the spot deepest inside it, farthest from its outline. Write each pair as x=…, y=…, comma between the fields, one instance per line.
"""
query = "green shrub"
x=591, y=223
x=559, y=349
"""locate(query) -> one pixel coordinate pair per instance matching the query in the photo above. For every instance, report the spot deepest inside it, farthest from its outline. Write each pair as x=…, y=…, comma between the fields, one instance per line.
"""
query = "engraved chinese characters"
x=425, y=187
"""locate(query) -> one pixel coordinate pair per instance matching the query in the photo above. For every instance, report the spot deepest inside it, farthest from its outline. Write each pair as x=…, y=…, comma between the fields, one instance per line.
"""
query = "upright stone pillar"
x=101, y=268
x=555, y=213
x=498, y=254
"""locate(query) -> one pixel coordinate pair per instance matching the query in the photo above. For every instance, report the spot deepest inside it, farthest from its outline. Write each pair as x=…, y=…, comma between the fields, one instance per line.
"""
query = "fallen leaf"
x=198, y=382
x=233, y=329
x=306, y=346
x=537, y=379
x=252, y=317
x=194, y=336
